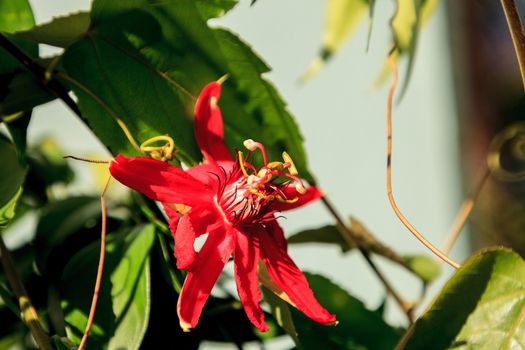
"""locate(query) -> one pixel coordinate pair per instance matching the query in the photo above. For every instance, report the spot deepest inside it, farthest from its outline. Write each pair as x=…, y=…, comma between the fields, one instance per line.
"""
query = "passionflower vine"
x=235, y=203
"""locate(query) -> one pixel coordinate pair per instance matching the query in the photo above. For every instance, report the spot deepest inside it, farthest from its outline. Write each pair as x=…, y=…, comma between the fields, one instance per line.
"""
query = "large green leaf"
x=358, y=328
x=481, y=307
x=146, y=64
x=124, y=301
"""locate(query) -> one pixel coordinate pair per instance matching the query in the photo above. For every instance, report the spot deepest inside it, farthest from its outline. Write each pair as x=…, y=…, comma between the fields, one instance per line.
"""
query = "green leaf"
x=324, y=234
x=18, y=131
x=12, y=174
x=47, y=163
x=422, y=266
x=61, y=31
x=481, y=306
x=147, y=65
x=7, y=211
x=283, y=316
x=16, y=15
x=21, y=93
x=426, y=268
x=60, y=219
x=409, y=18
x=342, y=18
x=358, y=328
x=124, y=300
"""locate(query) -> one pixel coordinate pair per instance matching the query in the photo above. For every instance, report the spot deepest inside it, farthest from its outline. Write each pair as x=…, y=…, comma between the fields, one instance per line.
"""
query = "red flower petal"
x=312, y=194
x=277, y=233
x=173, y=216
x=291, y=280
x=158, y=180
x=200, y=280
x=208, y=125
x=192, y=224
x=214, y=175
x=246, y=258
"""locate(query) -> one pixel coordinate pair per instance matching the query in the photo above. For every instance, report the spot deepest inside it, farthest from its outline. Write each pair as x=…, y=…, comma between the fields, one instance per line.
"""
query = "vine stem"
x=391, y=198
x=28, y=311
x=464, y=213
x=39, y=72
x=350, y=238
x=100, y=267
x=516, y=31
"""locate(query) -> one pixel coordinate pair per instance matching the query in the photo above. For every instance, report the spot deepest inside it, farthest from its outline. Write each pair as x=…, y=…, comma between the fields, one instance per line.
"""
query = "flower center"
x=248, y=196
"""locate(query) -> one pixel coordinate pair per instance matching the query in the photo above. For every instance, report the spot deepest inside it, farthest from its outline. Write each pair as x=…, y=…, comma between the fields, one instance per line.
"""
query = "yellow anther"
x=265, y=175
x=283, y=200
x=279, y=166
x=300, y=188
x=287, y=159
x=241, y=163
x=260, y=194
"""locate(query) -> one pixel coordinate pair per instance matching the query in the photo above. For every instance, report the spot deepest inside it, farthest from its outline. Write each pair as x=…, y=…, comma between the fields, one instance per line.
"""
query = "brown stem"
x=516, y=32
x=349, y=236
x=100, y=268
x=29, y=314
x=398, y=212
x=464, y=213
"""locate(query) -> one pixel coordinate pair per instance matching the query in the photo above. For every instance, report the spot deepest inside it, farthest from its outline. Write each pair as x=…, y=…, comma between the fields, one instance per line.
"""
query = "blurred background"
x=462, y=91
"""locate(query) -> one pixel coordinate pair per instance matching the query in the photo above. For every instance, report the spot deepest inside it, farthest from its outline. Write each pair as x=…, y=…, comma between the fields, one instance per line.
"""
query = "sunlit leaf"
x=146, y=66
x=481, y=307
x=15, y=15
x=124, y=300
x=61, y=31
x=342, y=18
x=7, y=211
x=358, y=328
x=408, y=20
x=283, y=316
x=12, y=174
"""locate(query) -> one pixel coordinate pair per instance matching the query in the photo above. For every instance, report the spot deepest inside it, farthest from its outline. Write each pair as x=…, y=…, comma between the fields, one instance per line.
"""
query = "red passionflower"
x=235, y=203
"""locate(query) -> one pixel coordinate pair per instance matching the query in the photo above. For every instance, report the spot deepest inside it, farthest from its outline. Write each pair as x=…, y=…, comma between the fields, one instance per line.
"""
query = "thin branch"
x=100, y=268
x=349, y=236
x=29, y=314
x=516, y=31
x=464, y=213
x=52, y=85
x=400, y=215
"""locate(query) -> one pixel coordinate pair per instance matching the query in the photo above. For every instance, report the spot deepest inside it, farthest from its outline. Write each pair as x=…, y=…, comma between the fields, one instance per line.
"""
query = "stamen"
x=252, y=146
x=291, y=168
x=241, y=163
x=284, y=200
